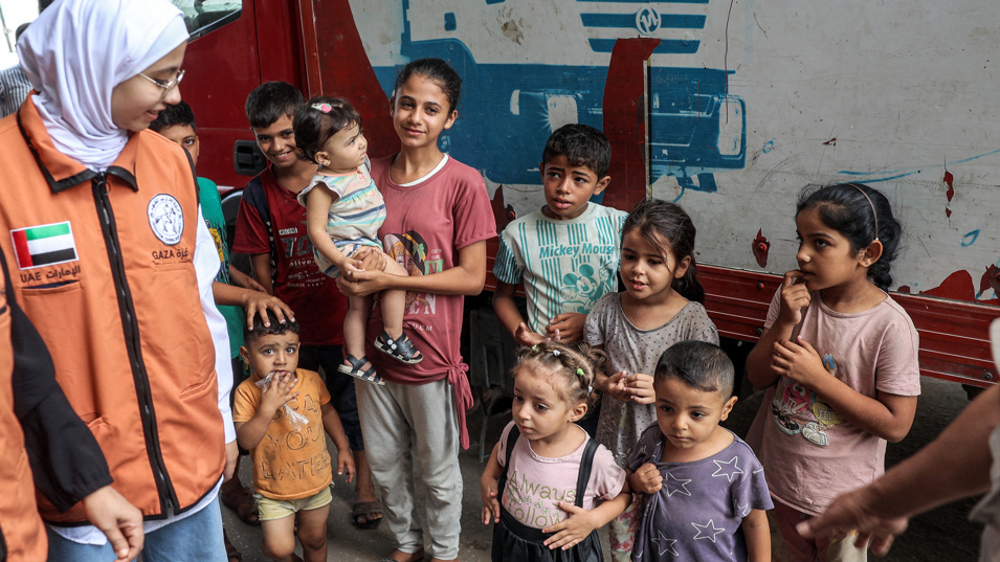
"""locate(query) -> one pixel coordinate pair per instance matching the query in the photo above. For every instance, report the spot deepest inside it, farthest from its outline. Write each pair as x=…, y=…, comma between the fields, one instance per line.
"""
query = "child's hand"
x=798, y=361
x=616, y=386
x=278, y=393
x=353, y=266
x=567, y=326
x=647, y=479
x=345, y=464
x=371, y=258
x=794, y=298
x=524, y=336
x=571, y=531
x=640, y=388
x=256, y=303
x=491, y=506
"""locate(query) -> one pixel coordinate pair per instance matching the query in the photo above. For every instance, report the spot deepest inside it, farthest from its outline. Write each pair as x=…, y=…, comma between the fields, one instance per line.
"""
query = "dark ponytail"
x=854, y=210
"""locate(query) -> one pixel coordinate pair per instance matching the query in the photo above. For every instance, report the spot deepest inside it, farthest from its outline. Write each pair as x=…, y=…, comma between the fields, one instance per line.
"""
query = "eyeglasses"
x=166, y=85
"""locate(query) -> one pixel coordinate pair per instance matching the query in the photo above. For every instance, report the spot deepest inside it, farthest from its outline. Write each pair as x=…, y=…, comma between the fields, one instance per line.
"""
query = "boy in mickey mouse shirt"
x=567, y=252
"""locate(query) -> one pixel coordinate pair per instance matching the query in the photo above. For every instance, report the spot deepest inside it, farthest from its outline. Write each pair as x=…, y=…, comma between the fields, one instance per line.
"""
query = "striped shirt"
x=14, y=89
x=355, y=215
x=566, y=266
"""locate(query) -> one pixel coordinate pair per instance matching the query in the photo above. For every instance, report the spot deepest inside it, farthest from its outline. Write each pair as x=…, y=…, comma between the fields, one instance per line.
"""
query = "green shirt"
x=211, y=209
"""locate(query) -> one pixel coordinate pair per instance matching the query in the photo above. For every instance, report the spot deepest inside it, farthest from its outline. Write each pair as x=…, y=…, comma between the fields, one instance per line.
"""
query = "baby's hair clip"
x=580, y=373
x=590, y=390
x=555, y=352
x=322, y=107
x=534, y=348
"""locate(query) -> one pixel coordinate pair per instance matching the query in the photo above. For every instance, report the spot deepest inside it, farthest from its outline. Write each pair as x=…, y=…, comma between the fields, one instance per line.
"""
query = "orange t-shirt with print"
x=292, y=461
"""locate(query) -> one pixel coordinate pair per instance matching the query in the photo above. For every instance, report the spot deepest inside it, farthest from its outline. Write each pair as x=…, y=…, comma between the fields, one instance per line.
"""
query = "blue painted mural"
x=696, y=126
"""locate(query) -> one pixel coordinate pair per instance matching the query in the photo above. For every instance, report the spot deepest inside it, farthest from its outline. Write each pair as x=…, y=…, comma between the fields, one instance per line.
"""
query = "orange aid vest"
x=21, y=529
x=104, y=270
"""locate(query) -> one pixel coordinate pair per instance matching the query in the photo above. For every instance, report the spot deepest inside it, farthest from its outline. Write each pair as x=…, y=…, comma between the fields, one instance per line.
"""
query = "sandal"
x=354, y=369
x=237, y=498
x=401, y=350
x=366, y=510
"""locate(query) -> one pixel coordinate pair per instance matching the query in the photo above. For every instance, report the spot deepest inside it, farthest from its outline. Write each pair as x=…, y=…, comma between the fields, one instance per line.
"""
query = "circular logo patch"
x=166, y=218
x=647, y=21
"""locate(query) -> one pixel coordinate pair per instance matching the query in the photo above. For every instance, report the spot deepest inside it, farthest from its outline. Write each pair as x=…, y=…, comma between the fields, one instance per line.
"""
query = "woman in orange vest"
x=111, y=260
x=67, y=463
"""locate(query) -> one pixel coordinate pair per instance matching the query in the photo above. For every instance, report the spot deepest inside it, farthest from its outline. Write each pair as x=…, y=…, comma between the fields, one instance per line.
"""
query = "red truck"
x=728, y=111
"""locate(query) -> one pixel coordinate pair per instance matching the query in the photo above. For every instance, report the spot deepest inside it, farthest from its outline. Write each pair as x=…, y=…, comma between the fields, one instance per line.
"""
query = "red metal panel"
x=224, y=65
x=954, y=335
x=336, y=65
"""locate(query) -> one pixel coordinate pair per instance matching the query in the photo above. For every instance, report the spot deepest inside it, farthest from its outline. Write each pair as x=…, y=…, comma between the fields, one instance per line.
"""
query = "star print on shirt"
x=665, y=544
x=741, y=510
x=729, y=468
x=674, y=484
x=709, y=529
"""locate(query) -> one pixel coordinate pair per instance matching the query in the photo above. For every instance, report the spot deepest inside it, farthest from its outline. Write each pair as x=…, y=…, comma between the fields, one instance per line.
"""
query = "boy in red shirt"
x=271, y=228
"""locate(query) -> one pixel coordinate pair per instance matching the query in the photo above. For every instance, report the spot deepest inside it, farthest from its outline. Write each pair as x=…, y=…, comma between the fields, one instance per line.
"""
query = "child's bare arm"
x=277, y=393
x=582, y=522
x=888, y=416
x=488, y=487
x=758, y=536
x=510, y=317
x=241, y=279
x=318, y=202
x=261, y=265
x=794, y=298
x=335, y=429
x=253, y=302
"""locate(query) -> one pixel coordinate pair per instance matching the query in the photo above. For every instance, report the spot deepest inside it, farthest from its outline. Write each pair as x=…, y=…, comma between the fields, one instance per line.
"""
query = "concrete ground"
x=944, y=534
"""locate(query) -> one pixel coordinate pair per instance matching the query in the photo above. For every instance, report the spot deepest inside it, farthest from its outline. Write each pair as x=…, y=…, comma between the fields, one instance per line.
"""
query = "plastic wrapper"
x=296, y=419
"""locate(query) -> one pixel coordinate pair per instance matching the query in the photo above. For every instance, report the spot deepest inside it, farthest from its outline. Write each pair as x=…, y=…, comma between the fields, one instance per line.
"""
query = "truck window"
x=203, y=16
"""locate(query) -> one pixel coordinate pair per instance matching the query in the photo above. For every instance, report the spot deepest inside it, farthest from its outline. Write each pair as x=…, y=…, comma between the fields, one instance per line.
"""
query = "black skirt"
x=514, y=541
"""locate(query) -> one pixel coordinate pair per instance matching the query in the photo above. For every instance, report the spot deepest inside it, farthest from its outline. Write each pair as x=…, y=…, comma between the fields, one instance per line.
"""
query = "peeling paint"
x=956, y=286
x=760, y=249
x=990, y=280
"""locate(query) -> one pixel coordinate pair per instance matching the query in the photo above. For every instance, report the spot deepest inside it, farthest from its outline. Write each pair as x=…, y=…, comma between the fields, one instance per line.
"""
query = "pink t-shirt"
x=426, y=224
x=810, y=453
x=536, y=485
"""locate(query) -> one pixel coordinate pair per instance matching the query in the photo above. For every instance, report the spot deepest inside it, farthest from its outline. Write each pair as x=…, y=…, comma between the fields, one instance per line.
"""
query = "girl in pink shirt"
x=838, y=358
x=546, y=469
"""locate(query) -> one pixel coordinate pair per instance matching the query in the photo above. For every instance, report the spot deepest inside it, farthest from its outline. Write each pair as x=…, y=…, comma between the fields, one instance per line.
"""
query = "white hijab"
x=77, y=51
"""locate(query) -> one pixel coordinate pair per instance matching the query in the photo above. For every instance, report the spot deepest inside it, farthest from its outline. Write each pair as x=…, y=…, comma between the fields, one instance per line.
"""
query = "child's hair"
x=271, y=101
x=861, y=214
x=275, y=329
x=437, y=70
x=577, y=362
x=668, y=227
x=701, y=365
x=173, y=115
x=582, y=145
x=319, y=119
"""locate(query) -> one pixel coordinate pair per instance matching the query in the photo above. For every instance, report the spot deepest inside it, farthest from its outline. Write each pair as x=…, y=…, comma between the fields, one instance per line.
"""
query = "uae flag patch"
x=46, y=244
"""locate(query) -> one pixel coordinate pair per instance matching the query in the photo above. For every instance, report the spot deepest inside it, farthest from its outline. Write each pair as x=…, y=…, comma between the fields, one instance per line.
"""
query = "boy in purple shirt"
x=705, y=490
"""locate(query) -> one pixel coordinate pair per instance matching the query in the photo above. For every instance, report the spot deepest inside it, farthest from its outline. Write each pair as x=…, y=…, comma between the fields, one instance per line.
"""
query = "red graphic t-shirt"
x=318, y=304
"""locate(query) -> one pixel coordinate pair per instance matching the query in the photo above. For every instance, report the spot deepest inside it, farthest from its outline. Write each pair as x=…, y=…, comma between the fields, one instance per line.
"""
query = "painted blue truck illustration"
x=521, y=82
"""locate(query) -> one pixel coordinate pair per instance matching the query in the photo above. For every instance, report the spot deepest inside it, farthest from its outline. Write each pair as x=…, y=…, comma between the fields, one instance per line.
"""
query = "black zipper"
x=126, y=308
